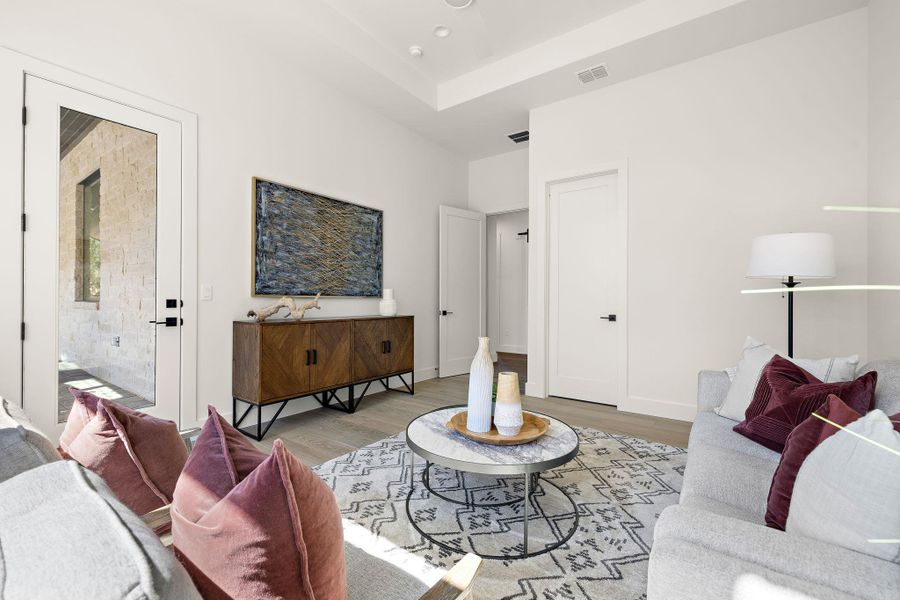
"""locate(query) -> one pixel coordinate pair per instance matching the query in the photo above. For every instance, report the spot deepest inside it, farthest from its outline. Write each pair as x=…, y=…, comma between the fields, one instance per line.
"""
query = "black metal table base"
x=532, y=482
x=325, y=398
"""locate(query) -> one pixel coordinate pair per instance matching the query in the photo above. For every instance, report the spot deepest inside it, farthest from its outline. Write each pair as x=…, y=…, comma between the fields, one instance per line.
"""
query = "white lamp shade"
x=801, y=255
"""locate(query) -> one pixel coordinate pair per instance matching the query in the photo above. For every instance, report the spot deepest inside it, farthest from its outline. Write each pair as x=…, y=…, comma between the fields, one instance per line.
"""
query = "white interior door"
x=585, y=289
x=463, y=295
x=102, y=254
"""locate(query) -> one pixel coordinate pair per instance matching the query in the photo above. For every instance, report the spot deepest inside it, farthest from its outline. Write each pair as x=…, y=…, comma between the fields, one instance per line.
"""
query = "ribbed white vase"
x=388, y=306
x=481, y=383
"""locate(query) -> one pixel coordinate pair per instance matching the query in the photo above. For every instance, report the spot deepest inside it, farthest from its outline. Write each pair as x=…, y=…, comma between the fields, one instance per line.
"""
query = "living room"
x=349, y=242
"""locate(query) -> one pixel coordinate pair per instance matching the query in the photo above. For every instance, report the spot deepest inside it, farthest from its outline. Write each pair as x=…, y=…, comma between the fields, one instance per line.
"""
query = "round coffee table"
x=429, y=437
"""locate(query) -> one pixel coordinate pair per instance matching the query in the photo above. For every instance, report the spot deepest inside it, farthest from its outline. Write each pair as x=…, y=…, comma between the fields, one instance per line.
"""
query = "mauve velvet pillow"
x=84, y=407
x=800, y=443
x=787, y=394
x=137, y=455
x=247, y=525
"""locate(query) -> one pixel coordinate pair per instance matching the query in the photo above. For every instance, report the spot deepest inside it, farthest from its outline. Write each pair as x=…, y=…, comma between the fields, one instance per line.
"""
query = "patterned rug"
x=619, y=485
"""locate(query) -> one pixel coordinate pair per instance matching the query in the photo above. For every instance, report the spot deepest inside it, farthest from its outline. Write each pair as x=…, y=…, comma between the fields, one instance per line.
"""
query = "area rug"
x=618, y=484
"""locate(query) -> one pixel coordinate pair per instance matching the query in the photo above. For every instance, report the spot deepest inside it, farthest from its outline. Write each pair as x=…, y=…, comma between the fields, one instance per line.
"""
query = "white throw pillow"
x=847, y=490
x=755, y=357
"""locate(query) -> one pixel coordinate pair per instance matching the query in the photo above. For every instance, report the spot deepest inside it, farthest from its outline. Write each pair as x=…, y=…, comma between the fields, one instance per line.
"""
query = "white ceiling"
x=469, y=103
x=481, y=33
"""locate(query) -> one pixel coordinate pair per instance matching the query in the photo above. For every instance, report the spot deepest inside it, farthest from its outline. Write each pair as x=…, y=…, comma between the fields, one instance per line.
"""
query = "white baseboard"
x=659, y=408
x=534, y=390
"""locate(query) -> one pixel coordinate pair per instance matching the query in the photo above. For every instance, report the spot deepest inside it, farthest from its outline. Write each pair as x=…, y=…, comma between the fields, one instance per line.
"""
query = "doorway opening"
x=507, y=289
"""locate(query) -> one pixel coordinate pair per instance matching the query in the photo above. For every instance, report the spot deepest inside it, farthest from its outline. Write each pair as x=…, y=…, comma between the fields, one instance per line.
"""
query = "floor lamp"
x=789, y=257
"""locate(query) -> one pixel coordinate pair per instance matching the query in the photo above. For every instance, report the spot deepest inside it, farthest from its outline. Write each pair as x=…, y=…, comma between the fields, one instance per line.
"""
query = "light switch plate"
x=206, y=292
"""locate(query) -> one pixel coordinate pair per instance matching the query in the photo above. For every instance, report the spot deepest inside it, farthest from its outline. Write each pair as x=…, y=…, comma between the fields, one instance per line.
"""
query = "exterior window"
x=90, y=234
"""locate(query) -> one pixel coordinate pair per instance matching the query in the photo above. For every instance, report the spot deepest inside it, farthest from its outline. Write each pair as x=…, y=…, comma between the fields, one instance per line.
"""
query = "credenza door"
x=284, y=371
x=400, y=336
x=368, y=349
x=330, y=344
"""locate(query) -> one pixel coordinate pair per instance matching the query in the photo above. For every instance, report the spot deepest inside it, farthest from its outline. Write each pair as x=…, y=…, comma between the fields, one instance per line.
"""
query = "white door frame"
x=539, y=283
x=13, y=69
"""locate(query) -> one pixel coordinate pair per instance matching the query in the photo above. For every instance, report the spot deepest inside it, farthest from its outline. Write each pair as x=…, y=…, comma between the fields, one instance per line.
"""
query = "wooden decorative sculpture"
x=288, y=303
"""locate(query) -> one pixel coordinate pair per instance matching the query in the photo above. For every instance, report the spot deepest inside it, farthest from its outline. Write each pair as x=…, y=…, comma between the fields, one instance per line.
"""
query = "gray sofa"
x=63, y=534
x=714, y=543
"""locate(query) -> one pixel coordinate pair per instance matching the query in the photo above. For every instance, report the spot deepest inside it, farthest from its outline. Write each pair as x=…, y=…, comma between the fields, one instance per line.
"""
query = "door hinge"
x=22, y=332
x=24, y=224
x=24, y=116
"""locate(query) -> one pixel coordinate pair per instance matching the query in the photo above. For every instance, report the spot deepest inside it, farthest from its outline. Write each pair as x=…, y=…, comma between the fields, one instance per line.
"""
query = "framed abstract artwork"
x=306, y=243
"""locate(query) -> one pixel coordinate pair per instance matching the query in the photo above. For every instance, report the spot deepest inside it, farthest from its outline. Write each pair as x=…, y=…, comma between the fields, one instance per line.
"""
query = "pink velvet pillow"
x=137, y=455
x=83, y=410
x=787, y=394
x=247, y=525
x=800, y=443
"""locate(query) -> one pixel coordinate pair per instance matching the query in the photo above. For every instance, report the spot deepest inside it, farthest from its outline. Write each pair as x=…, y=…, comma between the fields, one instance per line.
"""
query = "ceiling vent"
x=519, y=137
x=592, y=74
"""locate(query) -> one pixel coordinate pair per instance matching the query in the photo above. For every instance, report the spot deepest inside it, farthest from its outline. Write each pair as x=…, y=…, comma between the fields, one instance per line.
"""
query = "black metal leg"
x=242, y=417
x=411, y=385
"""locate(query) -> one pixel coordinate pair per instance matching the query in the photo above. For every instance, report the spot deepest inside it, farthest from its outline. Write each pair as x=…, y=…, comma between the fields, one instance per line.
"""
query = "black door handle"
x=610, y=318
x=315, y=356
x=444, y=313
x=389, y=346
x=169, y=322
x=383, y=347
x=307, y=358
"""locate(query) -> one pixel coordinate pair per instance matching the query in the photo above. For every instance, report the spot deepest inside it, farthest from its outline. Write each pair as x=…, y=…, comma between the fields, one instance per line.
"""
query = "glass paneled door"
x=102, y=255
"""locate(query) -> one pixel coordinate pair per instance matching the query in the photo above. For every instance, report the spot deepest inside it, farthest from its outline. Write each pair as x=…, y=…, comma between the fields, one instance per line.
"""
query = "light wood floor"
x=322, y=434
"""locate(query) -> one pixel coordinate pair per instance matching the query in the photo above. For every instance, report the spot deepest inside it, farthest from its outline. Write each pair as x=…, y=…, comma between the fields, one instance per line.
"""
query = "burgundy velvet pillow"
x=800, y=443
x=247, y=525
x=137, y=455
x=787, y=394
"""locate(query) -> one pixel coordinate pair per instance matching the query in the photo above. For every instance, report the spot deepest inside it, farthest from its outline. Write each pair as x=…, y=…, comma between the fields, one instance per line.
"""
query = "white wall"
x=258, y=116
x=884, y=176
x=745, y=142
x=499, y=183
x=507, y=285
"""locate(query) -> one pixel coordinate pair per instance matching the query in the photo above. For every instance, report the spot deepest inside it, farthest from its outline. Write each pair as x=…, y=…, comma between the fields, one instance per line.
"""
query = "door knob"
x=610, y=318
x=169, y=322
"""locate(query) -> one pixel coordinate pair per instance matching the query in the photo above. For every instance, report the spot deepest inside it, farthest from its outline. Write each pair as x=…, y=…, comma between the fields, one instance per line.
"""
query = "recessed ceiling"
x=485, y=31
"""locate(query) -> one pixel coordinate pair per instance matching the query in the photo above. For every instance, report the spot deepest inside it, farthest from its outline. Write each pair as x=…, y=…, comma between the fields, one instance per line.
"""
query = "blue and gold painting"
x=308, y=243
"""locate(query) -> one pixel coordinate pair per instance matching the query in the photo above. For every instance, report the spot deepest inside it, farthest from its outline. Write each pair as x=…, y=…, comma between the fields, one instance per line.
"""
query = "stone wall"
x=90, y=331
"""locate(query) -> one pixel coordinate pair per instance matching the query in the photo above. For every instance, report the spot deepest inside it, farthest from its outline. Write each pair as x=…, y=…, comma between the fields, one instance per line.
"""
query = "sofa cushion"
x=701, y=555
x=65, y=535
x=787, y=395
x=22, y=447
x=709, y=429
x=887, y=392
x=733, y=478
x=138, y=455
x=800, y=443
x=248, y=525
x=847, y=491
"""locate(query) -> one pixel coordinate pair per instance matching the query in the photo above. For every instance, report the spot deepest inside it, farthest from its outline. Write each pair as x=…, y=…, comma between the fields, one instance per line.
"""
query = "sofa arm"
x=689, y=543
x=712, y=387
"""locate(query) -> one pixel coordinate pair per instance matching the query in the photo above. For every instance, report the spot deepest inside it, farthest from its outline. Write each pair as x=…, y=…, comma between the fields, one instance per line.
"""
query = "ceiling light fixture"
x=458, y=4
x=416, y=51
x=441, y=31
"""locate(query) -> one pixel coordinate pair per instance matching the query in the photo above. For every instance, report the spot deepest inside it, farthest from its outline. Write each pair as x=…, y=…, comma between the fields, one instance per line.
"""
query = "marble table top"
x=429, y=437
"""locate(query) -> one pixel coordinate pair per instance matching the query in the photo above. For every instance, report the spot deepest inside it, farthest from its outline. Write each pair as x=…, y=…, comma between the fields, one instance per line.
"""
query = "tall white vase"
x=481, y=383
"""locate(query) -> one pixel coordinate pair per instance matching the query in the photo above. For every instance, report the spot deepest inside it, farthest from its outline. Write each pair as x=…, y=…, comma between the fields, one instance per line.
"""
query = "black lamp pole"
x=790, y=284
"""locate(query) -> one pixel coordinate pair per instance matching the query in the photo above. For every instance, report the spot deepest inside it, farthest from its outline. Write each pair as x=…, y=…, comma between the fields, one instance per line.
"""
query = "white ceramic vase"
x=481, y=383
x=508, y=411
x=388, y=306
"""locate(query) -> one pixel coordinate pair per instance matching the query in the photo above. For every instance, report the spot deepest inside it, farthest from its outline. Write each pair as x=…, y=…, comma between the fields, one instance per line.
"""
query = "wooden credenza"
x=282, y=359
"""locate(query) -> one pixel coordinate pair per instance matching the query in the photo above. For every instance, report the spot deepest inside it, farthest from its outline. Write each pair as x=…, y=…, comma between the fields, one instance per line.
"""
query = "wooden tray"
x=533, y=427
